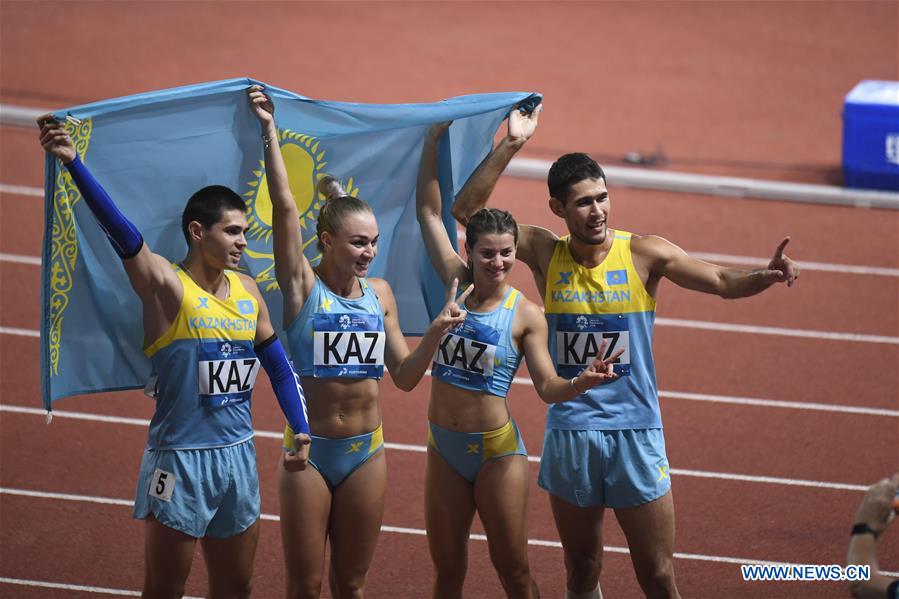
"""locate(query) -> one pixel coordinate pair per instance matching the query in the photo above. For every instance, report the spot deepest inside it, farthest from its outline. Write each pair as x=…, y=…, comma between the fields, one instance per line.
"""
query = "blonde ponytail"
x=338, y=205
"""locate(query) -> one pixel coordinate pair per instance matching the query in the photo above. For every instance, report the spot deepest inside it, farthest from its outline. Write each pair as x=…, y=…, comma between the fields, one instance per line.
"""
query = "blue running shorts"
x=200, y=492
x=614, y=468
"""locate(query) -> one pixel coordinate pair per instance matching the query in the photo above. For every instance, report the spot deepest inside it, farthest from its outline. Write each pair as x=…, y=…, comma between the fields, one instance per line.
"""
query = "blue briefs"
x=336, y=459
x=200, y=492
x=614, y=468
x=466, y=453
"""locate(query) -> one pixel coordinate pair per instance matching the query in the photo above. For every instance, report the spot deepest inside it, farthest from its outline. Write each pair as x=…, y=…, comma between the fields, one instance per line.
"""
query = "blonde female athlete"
x=476, y=457
x=343, y=331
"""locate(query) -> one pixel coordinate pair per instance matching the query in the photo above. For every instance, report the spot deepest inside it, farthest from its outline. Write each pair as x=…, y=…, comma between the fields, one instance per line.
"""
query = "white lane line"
x=772, y=403
x=20, y=116
x=19, y=332
x=409, y=531
x=21, y=190
x=792, y=482
x=623, y=176
x=78, y=416
x=717, y=258
x=707, y=256
x=751, y=401
x=67, y=497
x=17, y=259
x=757, y=330
x=689, y=324
x=46, y=584
x=806, y=266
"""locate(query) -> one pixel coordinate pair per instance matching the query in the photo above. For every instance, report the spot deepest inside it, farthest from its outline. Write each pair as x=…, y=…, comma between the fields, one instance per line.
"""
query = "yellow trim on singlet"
x=510, y=300
x=199, y=304
x=568, y=283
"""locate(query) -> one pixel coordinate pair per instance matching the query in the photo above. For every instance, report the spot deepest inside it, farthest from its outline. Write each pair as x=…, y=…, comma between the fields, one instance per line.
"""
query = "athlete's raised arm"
x=292, y=269
x=474, y=194
x=150, y=274
x=447, y=262
x=535, y=244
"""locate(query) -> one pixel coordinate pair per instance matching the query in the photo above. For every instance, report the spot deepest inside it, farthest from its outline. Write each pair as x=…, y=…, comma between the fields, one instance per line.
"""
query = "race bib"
x=579, y=336
x=348, y=345
x=226, y=372
x=162, y=485
x=467, y=355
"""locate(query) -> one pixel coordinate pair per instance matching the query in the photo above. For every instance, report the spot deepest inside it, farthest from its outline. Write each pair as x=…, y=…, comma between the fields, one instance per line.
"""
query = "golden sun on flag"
x=305, y=163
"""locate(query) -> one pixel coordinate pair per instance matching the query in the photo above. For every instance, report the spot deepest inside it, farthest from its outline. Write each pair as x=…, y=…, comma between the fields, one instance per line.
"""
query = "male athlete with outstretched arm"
x=605, y=448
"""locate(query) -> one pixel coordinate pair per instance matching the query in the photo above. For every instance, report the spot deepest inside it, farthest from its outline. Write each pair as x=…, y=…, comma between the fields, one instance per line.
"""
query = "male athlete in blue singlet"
x=476, y=456
x=344, y=332
x=206, y=331
x=600, y=285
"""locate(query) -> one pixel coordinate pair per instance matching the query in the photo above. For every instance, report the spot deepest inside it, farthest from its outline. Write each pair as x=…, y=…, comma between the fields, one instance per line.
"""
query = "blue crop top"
x=479, y=354
x=335, y=337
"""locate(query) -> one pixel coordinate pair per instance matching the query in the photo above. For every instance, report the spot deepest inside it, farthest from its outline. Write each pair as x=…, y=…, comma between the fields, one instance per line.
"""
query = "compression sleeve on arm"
x=285, y=382
x=125, y=238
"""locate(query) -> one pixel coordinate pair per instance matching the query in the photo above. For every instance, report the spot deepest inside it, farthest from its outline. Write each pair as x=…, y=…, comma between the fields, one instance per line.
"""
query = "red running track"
x=749, y=89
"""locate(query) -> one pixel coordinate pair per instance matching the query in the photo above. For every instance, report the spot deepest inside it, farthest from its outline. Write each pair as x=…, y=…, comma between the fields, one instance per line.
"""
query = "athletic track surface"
x=779, y=409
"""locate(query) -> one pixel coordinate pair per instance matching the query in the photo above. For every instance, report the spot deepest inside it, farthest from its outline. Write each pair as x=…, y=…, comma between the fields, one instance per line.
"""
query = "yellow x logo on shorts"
x=472, y=448
x=663, y=473
x=355, y=446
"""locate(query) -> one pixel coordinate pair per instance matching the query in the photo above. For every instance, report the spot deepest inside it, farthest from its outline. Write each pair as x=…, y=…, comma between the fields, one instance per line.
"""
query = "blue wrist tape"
x=125, y=238
x=285, y=382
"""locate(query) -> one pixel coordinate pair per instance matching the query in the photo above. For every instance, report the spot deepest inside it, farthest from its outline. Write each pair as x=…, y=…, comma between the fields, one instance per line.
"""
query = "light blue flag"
x=152, y=151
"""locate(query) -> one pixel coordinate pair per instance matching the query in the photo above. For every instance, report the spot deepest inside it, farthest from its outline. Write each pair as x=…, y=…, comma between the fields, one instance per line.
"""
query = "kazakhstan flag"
x=152, y=151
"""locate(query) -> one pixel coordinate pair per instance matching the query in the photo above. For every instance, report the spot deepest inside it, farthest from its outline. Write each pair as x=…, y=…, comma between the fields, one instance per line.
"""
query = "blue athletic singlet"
x=334, y=336
x=205, y=368
x=583, y=307
x=479, y=353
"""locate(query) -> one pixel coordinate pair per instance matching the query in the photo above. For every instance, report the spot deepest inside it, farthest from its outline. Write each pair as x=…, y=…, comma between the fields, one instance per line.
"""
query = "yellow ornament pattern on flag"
x=64, y=240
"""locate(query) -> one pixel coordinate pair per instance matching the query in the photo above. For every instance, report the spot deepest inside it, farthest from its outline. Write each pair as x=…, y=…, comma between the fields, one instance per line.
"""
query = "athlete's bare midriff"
x=342, y=407
x=465, y=410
